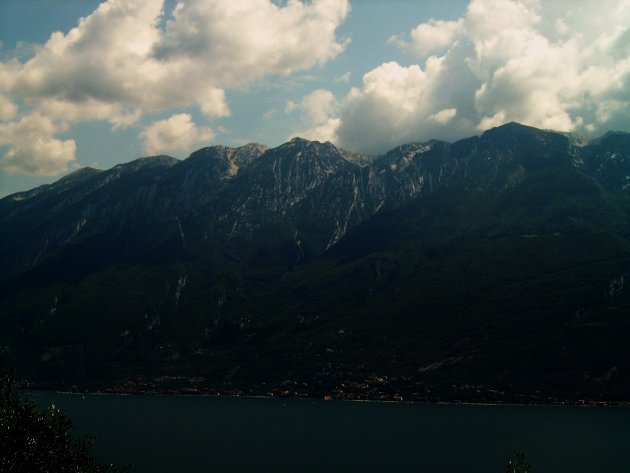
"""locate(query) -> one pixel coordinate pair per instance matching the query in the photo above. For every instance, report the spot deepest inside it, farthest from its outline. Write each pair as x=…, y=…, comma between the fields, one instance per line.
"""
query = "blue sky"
x=143, y=77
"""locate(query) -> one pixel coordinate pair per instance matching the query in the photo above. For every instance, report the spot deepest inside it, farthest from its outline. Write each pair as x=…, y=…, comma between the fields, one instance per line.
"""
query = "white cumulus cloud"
x=8, y=109
x=343, y=78
x=427, y=37
x=398, y=104
x=317, y=115
x=317, y=106
x=33, y=147
x=122, y=61
x=562, y=65
x=443, y=116
x=177, y=133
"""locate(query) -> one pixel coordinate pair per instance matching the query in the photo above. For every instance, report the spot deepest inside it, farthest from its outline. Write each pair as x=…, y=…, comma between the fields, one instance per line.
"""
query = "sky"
x=90, y=83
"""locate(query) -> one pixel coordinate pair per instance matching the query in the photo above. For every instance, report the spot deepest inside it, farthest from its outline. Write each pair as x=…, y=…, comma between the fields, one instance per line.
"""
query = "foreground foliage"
x=40, y=441
x=518, y=465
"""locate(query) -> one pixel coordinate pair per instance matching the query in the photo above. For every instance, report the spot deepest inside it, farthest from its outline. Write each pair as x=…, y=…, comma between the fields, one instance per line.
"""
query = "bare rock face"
x=318, y=190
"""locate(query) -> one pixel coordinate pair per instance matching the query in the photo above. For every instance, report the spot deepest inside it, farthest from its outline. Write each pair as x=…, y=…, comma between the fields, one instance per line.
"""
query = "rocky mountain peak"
x=148, y=162
x=437, y=259
x=247, y=187
x=511, y=129
x=232, y=160
x=80, y=174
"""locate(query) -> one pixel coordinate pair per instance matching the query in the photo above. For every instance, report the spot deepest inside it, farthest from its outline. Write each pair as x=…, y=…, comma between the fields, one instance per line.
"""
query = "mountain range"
x=494, y=268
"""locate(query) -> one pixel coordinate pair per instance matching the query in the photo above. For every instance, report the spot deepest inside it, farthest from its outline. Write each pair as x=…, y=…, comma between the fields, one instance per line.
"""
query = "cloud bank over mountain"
x=175, y=133
x=560, y=65
x=130, y=58
x=173, y=73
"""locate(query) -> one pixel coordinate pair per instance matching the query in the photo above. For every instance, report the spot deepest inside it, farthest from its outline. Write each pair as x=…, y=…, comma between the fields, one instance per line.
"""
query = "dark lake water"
x=217, y=434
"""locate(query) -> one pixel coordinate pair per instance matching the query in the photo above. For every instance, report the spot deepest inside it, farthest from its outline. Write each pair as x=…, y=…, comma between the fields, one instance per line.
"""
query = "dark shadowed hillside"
x=493, y=268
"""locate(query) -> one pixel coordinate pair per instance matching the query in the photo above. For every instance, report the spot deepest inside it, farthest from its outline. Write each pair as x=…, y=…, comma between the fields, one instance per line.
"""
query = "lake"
x=223, y=434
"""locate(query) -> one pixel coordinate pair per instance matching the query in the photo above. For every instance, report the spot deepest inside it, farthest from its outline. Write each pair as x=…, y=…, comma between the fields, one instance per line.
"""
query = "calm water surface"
x=217, y=434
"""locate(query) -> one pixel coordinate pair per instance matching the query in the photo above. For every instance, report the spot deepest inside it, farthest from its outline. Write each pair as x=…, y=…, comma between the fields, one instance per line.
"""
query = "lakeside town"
x=373, y=388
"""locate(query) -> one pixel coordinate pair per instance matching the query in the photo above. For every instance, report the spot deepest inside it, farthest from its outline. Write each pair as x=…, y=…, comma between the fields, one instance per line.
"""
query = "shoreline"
x=446, y=402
